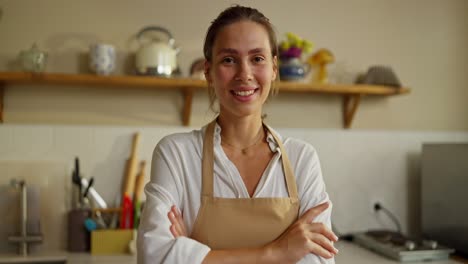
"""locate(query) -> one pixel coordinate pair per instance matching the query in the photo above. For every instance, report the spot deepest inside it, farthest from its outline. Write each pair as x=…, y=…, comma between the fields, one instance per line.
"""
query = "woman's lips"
x=244, y=95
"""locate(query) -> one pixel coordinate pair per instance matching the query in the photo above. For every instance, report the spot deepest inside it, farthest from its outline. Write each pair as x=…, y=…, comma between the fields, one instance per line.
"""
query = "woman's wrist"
x=271, y=254
x=266, y=254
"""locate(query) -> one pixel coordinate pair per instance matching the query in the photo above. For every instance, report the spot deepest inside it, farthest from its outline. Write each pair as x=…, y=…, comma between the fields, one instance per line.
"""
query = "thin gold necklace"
x=244, y=149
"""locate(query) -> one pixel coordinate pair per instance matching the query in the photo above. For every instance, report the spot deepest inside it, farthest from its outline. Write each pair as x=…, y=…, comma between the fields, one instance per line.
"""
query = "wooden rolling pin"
x=139, y=185
x=126, y=219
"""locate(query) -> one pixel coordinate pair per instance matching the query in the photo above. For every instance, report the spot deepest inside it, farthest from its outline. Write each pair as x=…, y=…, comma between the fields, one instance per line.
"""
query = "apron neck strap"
x=208, y=163
x=208, y=160
x=287, y=168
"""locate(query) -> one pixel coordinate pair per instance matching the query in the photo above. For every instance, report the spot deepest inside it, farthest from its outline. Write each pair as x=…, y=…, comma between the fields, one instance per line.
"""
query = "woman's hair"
x=229, y=16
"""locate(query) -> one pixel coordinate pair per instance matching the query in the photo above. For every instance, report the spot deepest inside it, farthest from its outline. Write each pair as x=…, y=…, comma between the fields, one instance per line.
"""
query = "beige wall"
x=423, y=40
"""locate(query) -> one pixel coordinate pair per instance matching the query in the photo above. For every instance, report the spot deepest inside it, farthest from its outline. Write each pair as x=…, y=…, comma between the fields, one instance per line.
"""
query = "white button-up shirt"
x=176, y=180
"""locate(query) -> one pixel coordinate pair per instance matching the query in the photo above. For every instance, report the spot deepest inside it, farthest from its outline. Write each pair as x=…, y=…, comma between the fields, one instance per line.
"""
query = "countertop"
x=349, y=254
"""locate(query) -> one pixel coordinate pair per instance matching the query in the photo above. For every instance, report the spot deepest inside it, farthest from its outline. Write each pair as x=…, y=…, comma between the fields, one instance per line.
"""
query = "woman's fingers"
x=320, y=235
x=324, y=243
x=320, y=251
x=180, y=221
x=321, y=228
x=175, y=230
x=177, y=227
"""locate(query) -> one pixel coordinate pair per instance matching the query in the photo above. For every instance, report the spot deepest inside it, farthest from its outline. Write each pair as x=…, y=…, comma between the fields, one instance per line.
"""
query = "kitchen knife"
x=76, y=179
x=93, y=194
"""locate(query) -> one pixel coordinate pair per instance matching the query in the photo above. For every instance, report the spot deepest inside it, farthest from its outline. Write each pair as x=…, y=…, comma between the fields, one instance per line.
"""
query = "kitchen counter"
x=349, y=254
x=82, y=258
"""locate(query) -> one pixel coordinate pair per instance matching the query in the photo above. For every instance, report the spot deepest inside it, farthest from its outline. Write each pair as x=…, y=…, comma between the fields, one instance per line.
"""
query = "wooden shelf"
x=351, y=93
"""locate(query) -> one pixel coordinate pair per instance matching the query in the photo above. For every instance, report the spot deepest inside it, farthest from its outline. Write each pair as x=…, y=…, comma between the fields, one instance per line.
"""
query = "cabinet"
x=351, y=94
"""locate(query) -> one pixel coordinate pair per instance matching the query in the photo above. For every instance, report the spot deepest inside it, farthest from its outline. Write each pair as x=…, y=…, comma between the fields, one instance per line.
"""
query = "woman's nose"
x=244, y=72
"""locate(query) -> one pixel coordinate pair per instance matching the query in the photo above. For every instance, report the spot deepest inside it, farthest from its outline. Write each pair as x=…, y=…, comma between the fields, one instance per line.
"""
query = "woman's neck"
x=241, y=132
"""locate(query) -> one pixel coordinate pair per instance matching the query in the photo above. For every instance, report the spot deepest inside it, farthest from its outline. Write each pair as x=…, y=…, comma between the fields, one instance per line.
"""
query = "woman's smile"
x=245, y=94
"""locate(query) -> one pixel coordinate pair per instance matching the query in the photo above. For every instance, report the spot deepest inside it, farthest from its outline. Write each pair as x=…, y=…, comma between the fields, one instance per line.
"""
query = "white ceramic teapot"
x=158, y=58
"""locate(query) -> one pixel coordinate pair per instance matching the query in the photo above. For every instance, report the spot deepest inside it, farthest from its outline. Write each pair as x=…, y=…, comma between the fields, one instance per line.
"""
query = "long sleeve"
x=311, y=186
x=156, y=244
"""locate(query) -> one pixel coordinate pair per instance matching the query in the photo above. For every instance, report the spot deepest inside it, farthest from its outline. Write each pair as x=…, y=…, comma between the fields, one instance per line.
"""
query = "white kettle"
x=156, y=58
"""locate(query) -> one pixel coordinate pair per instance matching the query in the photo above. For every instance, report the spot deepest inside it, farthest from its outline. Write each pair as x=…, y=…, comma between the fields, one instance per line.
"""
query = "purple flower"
x=292, y=52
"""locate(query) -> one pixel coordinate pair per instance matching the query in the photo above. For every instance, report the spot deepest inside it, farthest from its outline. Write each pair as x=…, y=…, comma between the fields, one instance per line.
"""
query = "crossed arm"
x=301, y=238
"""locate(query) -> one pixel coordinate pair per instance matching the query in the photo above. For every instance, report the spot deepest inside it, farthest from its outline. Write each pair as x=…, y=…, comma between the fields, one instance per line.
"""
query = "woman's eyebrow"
x=227, y=50
x=234, y=51
x=257, y=50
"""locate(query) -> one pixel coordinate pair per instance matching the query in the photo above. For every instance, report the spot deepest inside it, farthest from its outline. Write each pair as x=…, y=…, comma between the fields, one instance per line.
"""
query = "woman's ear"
x=275, y=67
x=207, y=72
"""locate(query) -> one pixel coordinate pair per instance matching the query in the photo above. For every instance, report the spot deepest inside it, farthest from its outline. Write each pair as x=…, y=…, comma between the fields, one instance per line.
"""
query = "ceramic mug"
x=102, y=59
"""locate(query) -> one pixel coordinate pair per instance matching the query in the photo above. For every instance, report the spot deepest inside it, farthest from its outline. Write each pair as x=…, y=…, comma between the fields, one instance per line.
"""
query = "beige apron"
x=227, y=223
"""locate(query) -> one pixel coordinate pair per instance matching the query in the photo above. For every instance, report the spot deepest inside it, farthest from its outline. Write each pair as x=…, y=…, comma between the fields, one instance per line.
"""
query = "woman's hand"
x=177, y=223
x=304, y=237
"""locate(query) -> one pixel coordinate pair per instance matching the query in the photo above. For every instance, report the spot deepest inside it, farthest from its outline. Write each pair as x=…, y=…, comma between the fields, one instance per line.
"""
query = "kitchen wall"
x=378, y=159
x=424, y=41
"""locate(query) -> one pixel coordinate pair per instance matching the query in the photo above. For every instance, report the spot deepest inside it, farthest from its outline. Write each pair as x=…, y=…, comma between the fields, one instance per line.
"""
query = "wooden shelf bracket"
x=350, y=106
x=186, y=111
x=2, y=99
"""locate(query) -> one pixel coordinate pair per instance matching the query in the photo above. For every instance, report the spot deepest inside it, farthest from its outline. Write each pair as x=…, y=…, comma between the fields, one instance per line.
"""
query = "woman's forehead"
x=242, y=36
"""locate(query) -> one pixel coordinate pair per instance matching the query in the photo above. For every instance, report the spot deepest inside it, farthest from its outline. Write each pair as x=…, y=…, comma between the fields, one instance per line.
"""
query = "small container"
x=32, y=60
x=111, y=241
x=78, y=236
x=102, y=59
x=292, y=70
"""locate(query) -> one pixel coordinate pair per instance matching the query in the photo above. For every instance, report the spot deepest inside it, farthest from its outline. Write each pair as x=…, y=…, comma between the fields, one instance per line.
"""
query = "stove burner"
x=397, y=246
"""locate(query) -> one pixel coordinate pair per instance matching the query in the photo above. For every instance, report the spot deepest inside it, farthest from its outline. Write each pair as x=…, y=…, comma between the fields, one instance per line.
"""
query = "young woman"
x=246, y=194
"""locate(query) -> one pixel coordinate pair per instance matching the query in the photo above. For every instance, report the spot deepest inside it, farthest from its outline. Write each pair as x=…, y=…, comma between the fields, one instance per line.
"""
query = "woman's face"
x=242, y=68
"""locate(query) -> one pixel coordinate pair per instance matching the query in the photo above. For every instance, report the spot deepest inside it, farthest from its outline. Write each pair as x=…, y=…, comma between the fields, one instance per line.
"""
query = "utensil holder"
x=78, y=236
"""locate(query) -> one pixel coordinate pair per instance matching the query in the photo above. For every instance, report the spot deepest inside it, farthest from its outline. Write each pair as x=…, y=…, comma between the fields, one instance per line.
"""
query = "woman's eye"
x=228, y=60
x=259, y=59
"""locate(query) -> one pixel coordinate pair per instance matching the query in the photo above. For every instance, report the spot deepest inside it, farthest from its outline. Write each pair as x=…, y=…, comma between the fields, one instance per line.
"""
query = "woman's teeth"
x=244, y=93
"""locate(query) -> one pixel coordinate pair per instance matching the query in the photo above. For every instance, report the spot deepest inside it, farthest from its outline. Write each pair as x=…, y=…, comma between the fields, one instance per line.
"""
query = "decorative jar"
x=292, y=69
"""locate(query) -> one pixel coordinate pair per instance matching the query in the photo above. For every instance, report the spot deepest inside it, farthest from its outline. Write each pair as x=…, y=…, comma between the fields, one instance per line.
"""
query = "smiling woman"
x=235, y=191
x=242, y=69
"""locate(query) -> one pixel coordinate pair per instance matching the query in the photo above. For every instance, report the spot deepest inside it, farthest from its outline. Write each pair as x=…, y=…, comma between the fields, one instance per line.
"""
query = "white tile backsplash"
x=6, y=145
x=29, y=142
x=73, y=141
x=359, y=167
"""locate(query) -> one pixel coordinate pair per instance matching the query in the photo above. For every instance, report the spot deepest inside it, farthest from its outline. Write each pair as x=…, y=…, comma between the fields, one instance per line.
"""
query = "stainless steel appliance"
x=444, y=194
